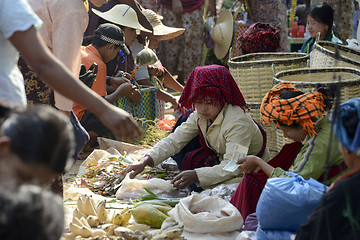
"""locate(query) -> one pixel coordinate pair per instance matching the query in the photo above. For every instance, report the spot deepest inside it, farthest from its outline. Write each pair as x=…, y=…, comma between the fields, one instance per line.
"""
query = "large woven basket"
x=308, y=78
x=269, y=129
x=323, y=55
x=254, y=72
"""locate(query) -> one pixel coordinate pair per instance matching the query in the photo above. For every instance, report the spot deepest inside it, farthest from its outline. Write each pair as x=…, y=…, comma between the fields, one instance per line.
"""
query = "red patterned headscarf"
x=302, y=109
x=211, y=81
x=260, y=37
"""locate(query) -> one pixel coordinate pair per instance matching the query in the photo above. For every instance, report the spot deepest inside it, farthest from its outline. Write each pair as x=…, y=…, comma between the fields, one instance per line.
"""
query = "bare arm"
x=171, y=82
x=60, y=78
x=160, y=94
x=249, y=163
x=127, y=90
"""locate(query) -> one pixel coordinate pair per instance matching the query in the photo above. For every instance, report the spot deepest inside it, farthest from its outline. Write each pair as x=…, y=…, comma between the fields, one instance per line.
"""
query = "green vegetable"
x=152, y=196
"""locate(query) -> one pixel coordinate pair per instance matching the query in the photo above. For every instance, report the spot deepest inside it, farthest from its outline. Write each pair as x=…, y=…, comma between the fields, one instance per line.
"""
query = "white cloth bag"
x=201, y=214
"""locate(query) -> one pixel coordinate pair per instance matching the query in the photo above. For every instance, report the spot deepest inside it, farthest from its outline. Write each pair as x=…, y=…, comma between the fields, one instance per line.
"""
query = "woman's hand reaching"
x=184, y=179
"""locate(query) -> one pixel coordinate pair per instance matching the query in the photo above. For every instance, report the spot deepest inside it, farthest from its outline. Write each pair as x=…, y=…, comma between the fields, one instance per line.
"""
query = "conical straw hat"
x=122, y=15
x=159, y=29
x=222, y=33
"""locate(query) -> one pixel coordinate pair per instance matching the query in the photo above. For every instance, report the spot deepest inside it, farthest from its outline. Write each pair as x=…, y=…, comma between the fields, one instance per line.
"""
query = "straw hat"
x=159, y=29
x=122, y=15
x=222, y=33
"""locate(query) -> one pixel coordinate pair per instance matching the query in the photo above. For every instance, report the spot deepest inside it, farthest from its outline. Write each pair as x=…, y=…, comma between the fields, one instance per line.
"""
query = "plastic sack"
x=146, y=56
x=99, y=155
x=274, y=234
x=133, y=188
x=206, y=215
x=353, y=43
x=285, y=203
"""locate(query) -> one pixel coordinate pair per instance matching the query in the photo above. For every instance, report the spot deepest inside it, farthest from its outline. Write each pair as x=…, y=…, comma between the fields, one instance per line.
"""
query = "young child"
x=31, y=213
x=220, y=120
x=301, y=117
x=34, y=146
x=107, y=42
x=145, y=74
x=338, y=215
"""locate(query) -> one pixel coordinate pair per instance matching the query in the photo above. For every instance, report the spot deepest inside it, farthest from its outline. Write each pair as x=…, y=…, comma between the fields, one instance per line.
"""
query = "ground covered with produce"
x=98, y=205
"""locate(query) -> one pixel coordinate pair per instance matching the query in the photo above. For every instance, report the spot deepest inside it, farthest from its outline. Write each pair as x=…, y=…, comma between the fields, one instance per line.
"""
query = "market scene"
x=179, y=119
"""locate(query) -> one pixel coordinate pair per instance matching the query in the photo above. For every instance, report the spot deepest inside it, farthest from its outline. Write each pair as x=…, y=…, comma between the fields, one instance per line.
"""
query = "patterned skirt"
x=37, y=91
x=182, y=54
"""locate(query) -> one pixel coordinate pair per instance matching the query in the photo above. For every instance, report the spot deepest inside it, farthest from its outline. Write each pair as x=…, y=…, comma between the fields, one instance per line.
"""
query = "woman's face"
x=207, y=109
x=130, y=35
x=314, y=27
x=297, y=134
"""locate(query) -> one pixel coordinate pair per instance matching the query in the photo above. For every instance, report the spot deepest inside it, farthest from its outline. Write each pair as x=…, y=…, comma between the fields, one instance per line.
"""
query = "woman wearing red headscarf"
x=220, y=120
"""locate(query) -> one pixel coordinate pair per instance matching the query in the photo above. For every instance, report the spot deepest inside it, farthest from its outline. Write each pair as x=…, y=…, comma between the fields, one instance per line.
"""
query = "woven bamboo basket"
x=323, y=55
x=254, y=72
x=306, y=79
x=269, y=129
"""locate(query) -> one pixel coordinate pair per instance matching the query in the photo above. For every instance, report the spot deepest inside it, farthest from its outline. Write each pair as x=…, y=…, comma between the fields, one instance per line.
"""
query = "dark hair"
x=41, y=135
x=31, y=213
x=329, y=92
x=108, y=30
x=323, y=13
x=350, y=122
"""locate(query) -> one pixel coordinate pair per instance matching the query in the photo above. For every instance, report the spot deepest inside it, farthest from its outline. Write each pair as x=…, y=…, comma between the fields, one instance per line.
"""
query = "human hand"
x=117, y=81
x=88, y=77
x=130, y=91
x=156, y=71
x=184, y=179
x=248, y=163
x=177, y=8
x=135, y=169
x=120, y=123
x=174, y=103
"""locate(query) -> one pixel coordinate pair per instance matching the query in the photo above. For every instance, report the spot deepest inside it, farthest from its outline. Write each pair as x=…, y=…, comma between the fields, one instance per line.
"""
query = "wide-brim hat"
x=159, y=29
x=122, y=15
x=222, y=33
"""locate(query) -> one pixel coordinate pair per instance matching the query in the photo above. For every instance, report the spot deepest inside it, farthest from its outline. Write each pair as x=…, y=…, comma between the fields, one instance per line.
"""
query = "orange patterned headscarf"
x=303, y=109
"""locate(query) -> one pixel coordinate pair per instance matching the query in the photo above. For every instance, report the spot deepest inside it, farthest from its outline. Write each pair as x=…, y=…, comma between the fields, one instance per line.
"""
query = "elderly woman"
x=338, y=215
x=300, y=116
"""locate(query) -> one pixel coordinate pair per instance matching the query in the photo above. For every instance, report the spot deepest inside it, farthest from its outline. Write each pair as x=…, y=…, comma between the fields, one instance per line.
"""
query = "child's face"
x=154, y=42
x=30, y=173
x=207, y=109
x=110, y=52
x=130, y=35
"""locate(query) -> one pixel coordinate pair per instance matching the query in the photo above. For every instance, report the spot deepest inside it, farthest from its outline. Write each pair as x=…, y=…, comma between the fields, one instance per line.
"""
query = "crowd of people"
x=65, y=63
